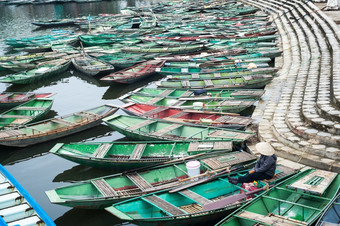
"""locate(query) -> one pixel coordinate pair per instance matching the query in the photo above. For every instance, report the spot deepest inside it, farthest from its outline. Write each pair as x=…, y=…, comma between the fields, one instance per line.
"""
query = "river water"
x=34, y=168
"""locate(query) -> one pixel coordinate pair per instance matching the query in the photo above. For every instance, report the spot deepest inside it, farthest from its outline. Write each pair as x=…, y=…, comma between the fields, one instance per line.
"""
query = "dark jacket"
x=266, y=165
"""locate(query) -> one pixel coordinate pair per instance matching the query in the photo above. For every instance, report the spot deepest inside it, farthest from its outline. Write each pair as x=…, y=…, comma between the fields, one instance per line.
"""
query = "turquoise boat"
x=25, y=113
x=132, y=154
x=104, y=191
x=17, y=206
x=155, y=129
x=299, y=200
x=186, y=205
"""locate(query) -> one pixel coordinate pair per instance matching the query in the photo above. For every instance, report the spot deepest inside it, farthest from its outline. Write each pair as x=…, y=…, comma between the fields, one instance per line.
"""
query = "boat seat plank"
x=138, y=151
x=31, y=108
x=62, y=121
x=11, y=133
x=141, y=124
x=208, y=83
x=166, y=92
x=154, y=100
x=185, y=83
x=104, y=188
x=195, y=197
x=217, y=75
x=86, y=114
x=17, y=116
x=228, y=134
x=164, y=205
x=186, y=93
x=101, y=150
x=206, y=146
x=178, y=103
x=248, y=93
x=224, y=119
x=270, y=219
x=179, y=114
x=229, y=160
x=139, y=181
x=195, y=75
x=280, y=172
x=5, y=96
x=166, y=129
x=155, y=111
x=326, y=178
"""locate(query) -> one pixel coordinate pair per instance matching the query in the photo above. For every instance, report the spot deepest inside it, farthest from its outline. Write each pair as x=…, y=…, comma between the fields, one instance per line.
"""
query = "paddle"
x=209, y=178
x=230, y=199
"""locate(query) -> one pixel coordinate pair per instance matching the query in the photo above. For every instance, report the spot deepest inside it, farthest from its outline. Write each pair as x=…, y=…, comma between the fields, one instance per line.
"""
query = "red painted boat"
x=8, y=99
x=134, y=73
x=225, y=120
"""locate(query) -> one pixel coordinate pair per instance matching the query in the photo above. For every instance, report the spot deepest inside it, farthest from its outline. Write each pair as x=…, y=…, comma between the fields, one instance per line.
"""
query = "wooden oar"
x=209, y=178
x=231, y=199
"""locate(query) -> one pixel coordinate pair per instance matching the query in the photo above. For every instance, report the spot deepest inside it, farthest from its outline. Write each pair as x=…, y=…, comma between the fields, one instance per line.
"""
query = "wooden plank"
x=228, y=160
x=195, y=197
x=164, y=205
x=11, y=133
x=229, y=135
x=154, y=100
x=319, y=189
x=139, y=181
x=217, y=75
x=166, y=92
x=208, y=82
x=141, y=124
x=104, y=188
x=166, y=129
x=179, y=114
x=155, y=111
x=186, y=93
x=195, y=75
x=185, y=83
x=31, y=108
x=62, y=121
x=101, y=151
x=138, y=151
x=270, y=219
x=17, y=116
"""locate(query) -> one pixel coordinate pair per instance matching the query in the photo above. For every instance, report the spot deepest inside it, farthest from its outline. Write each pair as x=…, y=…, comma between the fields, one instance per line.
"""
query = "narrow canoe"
x=18, y=207
x=9, y=99
x=188, y=206
x=299, y=200
x=204, y=104
x=247, y=82
x=132, y=154
x=44, y=71
x=154, y=129
x=56, y=127
x=91, y=66
x=134, y=73
x=331, y=215
x=204, y=118
x=53, y=23
x=167, y=49
x=228, y=68
x=198, y=94
x=25, y=113
x=134, y=183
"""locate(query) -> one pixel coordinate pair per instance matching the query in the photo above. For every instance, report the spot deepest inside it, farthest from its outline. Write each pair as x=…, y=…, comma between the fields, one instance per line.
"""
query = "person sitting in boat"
x=264, y=168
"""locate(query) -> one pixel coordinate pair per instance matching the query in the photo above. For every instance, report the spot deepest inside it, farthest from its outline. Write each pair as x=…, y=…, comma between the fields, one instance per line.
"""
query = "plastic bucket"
x=193, y=168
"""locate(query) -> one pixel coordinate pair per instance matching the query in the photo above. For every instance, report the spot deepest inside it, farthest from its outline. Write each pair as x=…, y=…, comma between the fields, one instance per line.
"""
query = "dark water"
x=35, y=169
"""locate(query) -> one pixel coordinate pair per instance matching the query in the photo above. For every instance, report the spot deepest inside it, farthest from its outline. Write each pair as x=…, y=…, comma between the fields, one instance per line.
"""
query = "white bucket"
x=193, y=168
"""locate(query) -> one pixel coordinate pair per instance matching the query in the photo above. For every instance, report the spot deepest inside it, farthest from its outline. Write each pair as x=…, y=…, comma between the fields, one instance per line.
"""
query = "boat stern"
x=54, y=197
x=118, y=213
x=56, y=147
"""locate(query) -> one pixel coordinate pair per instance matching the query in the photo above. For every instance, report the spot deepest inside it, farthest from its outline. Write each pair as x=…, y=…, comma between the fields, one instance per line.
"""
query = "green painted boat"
x=48, y=69
x=167, y=49
x=243, y=82
x=154, y=129
x=228, y=68
x=187, y=205
x=299, y=200
x=54, y=128
x=91, y=66
x=25, y=113
x=193, y=94
x=131, y=154
x=122, y=60
x=9, y=99
x=104, y=191
x=204, y=104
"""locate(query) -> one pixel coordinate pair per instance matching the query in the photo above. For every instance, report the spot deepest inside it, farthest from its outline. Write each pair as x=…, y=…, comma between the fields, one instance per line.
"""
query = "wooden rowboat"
x=56, y=127
x=186, y=205
x=299, y=200
x=248, y=82
x=9, y=99
x=17, y=206
x=132, y=154
x=91, y=66
x=204, y=104
x=25, y=113
x=152, y=129
x=204, y=118
x=134, y=73
x=194, y=94
x=103, y=192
